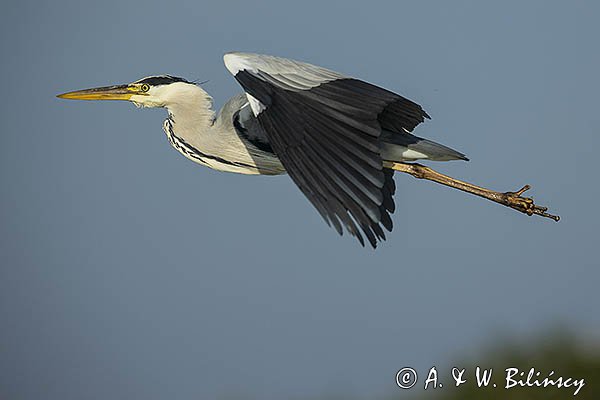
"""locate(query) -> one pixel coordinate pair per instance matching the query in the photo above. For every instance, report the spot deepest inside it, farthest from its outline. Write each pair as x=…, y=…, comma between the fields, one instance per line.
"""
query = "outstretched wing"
x=325, y=128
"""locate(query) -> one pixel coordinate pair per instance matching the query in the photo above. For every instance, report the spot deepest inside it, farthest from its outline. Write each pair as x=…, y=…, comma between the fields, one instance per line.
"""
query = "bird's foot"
x=526, y=205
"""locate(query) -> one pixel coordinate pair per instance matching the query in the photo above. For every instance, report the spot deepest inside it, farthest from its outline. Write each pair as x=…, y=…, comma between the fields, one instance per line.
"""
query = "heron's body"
x=234, y=141
x=334, y=135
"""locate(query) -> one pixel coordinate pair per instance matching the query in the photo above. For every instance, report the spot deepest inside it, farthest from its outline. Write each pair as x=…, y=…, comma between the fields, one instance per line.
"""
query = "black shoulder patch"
x=256, y=141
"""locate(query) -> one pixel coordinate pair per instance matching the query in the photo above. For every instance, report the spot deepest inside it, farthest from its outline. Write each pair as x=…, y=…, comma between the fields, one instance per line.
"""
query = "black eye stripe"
x=161, y=80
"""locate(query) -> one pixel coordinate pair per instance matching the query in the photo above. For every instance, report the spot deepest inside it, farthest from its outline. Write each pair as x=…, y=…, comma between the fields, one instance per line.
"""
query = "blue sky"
x=129, y=272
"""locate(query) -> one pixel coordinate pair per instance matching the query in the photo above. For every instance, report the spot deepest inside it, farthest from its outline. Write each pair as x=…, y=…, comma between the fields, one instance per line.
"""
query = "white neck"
x=189, y=106
x=193, y=130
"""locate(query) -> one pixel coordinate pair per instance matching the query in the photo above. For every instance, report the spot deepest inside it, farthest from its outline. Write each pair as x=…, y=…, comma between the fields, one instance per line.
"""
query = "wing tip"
x=236, y=61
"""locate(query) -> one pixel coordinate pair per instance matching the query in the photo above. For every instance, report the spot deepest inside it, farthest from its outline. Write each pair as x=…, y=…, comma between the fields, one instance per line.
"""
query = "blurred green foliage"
x=560, y=352
x=554, y=350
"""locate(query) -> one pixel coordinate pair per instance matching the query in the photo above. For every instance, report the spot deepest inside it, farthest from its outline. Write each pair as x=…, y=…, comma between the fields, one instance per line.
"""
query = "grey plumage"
x=331, y=133
x=396, y=147
x=327, y=129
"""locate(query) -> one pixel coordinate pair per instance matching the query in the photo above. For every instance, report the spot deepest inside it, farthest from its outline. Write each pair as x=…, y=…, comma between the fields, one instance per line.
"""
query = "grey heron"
x=340, y=139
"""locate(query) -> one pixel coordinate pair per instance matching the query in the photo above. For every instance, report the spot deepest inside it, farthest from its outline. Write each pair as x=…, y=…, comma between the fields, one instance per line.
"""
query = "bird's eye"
x=145, y=87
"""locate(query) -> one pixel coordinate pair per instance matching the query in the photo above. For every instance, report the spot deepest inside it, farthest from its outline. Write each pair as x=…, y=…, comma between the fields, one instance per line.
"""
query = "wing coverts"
x=326, y=129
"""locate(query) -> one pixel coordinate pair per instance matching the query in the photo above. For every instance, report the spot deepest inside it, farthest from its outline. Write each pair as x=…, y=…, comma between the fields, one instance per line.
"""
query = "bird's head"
x=153, y=91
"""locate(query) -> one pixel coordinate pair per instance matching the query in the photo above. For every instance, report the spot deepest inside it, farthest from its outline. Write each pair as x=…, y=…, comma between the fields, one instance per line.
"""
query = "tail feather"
x=407, y=147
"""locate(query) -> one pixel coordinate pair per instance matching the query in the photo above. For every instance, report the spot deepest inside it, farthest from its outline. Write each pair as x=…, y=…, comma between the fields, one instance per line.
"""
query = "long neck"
x=193, y=131
x=191, y=112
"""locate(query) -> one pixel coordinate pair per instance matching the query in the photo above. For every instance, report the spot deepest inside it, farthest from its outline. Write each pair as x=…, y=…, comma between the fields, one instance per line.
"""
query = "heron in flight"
x=340, y=139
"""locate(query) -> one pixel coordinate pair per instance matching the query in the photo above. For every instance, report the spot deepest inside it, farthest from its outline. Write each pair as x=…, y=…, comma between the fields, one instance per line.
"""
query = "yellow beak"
x=118, y=92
